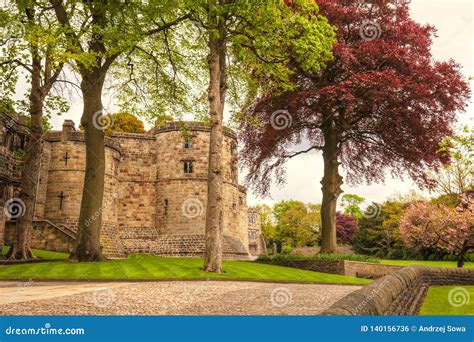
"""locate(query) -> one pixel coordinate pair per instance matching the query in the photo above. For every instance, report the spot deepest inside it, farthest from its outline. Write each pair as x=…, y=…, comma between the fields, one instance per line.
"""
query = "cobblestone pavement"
x=167, y=298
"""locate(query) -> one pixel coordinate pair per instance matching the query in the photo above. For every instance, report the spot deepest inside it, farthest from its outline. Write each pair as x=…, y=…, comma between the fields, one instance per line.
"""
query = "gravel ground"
x=168, y=298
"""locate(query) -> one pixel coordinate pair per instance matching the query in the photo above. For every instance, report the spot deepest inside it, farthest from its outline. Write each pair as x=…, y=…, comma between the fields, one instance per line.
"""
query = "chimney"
x=68, y=127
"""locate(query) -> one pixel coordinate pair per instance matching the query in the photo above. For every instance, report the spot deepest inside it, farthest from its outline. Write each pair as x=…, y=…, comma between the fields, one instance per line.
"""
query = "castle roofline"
x=188, y=125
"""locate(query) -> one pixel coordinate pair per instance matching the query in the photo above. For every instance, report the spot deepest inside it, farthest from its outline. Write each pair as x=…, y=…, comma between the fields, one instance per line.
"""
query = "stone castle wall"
x=150, y=202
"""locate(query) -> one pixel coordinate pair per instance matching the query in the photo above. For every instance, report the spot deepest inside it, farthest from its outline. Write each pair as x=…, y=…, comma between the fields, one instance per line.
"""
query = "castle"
x=155, y=191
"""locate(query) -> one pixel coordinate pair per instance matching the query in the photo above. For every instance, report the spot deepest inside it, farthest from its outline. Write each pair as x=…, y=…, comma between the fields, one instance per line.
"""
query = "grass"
x=449, y=300
x=39, y=253
x=143, y=266
x=425, y=263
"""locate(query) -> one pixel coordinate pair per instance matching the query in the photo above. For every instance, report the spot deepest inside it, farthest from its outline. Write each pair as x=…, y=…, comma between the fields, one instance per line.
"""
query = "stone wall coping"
x=190, y=125
x=139, y=136
x=55, y=136
x=384, y=296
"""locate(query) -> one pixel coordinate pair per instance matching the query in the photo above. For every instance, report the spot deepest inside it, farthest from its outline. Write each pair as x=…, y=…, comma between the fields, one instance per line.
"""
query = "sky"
x=454, y=21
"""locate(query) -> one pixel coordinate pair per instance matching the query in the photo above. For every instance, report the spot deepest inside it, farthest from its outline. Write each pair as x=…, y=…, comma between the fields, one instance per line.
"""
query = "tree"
x=381, y=103
x=455, y=178
x=379, y=233
x=267, y=229
x=297, y=224
x=429, y=226
x=346, y=226
x=124, y=122
x=262, y=37
x=39, y=54
x=351, y=205
x=98, y=33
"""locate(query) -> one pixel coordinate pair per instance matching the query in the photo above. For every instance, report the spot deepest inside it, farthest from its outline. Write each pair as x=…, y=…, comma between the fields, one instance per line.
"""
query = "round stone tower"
x=181, y=191
x=61, y=185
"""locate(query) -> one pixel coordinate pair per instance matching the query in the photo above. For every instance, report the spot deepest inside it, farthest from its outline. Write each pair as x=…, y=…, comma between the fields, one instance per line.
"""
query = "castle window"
x=188, y=166
x=187, y=144
x=166, y=207
x=233, y=172
x=232, y=150
x=241, y=200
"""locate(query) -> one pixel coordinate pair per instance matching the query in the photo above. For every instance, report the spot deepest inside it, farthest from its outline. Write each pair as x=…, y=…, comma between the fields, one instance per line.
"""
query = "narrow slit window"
x=188, y=166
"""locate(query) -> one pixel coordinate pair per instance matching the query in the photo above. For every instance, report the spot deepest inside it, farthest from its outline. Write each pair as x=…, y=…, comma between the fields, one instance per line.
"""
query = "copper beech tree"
x=382, y=104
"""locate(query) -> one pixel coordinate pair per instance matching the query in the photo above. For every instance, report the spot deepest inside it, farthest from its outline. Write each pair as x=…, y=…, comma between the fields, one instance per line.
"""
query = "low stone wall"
x=400, y=293
x=329, y=266
x=342, y=267
x=368, y=269
x=44, y=236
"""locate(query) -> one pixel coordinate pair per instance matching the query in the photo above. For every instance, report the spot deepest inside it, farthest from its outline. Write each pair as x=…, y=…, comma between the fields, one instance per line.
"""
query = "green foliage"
x=319, y=257
x=379, y=235
x=286, y=249
x=457, y=176
x=297, y=224
x=351, y=205
x=448, y=200
x=267, y=228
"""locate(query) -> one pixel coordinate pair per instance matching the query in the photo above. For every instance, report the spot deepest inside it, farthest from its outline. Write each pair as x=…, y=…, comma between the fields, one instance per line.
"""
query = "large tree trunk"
x=87, y=245
x=331, y=188
x=20, y=248
x=216, y=96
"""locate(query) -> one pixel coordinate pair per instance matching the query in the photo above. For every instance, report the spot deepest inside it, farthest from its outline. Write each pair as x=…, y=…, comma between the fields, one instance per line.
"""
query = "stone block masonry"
x=155, y=191
x=400, y=293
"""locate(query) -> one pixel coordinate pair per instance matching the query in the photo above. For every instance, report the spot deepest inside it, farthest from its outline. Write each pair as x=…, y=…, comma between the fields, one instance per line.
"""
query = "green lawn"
x=143, y=266
x=425, y=263
x=39, y=253
x=449, y=300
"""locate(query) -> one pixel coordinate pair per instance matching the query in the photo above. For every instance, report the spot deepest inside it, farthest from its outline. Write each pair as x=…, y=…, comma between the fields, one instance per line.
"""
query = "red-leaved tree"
x=346, y=226
x=382, y=103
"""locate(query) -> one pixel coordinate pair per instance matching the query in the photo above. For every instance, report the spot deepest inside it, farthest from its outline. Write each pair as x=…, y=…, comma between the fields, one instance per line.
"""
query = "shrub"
x=286, y=249
x=319, y=257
